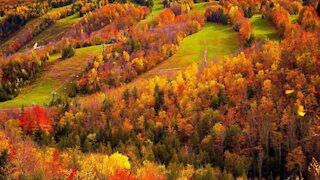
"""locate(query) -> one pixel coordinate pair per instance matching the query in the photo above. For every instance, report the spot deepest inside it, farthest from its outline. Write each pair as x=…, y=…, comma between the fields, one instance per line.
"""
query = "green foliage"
x=235, y=164
x=67, y=52
x=232, y=137
x=158, y=98
x=4, y=162
x=248, y=12
x=148, y=3
x=248, y=42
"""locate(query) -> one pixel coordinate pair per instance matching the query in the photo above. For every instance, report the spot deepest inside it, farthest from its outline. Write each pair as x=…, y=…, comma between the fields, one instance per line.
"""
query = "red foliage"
x=122, y=174
x=181, y=88
x=73, y=173
x=35, y=119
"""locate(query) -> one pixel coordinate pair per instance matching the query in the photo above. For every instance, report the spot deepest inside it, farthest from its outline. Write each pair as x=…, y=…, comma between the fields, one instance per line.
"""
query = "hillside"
x=159, y=89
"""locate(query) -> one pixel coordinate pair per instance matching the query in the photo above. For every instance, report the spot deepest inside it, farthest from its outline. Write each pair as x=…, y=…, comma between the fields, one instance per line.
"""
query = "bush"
x=68, y=52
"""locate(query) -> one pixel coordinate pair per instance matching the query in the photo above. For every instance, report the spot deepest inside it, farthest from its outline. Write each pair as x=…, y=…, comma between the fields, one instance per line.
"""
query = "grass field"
x=264, y=29
x=56, y=77
x=219, y=40
x=55, y=31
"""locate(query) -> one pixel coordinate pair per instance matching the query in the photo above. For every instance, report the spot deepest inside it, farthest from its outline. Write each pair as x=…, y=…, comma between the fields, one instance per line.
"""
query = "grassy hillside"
x=264, y=29
x=55, y=78
x=55, y=31
x=219, y=40
x=34, y=22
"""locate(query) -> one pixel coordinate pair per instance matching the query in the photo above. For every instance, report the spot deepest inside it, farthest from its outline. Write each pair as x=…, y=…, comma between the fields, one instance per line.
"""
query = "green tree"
x=158, y=98
x=68, y=52
x=4, y=160
x=235, y=163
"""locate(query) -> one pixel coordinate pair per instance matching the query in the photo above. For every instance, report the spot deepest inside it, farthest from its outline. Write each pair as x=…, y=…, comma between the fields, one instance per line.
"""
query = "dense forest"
x=254, y=114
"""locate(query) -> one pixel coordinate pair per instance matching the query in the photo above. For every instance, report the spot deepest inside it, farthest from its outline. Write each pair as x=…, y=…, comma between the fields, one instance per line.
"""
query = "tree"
x=216, y=13
x=67, y=52
x=235, y=164
x=158, y=98
x=35, y=119
x=296, y=160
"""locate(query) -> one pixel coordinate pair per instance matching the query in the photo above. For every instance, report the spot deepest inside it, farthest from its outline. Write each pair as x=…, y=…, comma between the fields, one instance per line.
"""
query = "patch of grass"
x=219, y=40
x=56, y=77
x=199, y=8
x=264, y=29
x=294, y=18
x=55, y=31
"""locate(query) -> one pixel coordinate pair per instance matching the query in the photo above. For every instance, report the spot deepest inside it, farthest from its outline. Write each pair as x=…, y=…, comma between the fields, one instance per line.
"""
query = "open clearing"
x=264, y=29
x=219, y=40
x=55, y=31
x=56, y=77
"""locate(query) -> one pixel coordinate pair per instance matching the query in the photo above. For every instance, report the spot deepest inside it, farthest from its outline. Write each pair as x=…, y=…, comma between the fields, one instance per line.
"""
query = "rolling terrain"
x=159, y=89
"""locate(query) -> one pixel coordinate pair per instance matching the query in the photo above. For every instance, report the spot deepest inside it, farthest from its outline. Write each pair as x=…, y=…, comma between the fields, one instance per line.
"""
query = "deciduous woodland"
x=139, y=91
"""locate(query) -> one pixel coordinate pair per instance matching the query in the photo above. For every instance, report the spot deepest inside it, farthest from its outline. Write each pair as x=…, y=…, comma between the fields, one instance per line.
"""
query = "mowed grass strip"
x=218, y=40
x=56, y=77
x=264, y=29
x=55, y=31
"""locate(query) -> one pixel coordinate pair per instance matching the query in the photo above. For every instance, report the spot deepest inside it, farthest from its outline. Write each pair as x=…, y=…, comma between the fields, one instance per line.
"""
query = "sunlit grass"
x=219, y=40
x=56, y=77
x=264, y=29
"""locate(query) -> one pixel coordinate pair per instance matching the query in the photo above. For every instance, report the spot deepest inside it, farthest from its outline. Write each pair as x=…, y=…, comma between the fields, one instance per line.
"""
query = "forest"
x=160, y=89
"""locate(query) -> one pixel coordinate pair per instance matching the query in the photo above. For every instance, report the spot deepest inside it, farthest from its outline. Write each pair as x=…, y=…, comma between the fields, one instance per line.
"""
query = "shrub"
x=67, y=52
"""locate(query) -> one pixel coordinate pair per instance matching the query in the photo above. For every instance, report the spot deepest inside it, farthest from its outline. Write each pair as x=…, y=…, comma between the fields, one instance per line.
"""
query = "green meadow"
x=217, y=40
x=264, y=29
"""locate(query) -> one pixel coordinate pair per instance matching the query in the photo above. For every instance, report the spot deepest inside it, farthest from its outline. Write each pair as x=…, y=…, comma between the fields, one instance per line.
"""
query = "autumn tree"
x=35, y=119
x=296, y=160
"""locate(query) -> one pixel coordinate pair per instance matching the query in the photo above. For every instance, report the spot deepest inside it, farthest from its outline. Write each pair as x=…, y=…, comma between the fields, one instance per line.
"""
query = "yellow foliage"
x=116, y=161
x=4, y=143
x=126, y=56
x=289, y=91
x=301, y=111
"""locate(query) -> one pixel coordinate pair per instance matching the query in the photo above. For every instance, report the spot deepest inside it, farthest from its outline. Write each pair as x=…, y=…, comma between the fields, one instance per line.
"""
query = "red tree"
x=35, y=119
